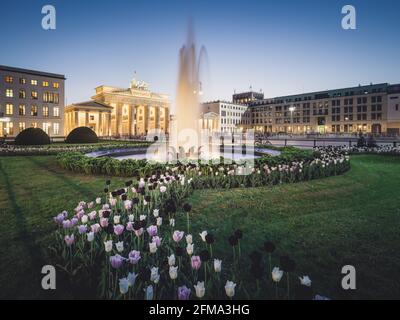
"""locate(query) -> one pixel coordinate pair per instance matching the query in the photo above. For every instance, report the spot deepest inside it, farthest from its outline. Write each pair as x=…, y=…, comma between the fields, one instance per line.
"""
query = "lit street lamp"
x=291, y=109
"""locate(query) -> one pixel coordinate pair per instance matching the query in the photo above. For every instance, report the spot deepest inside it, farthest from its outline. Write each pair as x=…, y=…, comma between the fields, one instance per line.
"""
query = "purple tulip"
x=152, y=231
x=116, y=261
x=74, y=221
x=134, y=256
x=67, y=224
x=59, y=219
x=95, y=228
x=129, y=226
x=82, y=228
x=183, y=293
x=104, y=222
x=118, y=229
x=196, y=262
x=157, y=240
x=177, y=235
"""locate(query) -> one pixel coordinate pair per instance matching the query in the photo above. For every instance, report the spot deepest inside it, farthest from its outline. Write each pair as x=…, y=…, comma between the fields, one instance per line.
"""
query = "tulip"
x=142, y=217
x=171, y=260
x=123, y=285
x=92, y=215
x=305, y=281
x=131, y=217
x=200, y=289
x=82, y=229
x=183, y=293
x=163, y=189
x=69, y=240
x=203, y=235
x=67, y=224
x=172, y=222
x=120, y=246
x=116, y=261
x=59, y=218
x=189, y=248
x=84, y=219
x=131, y=278
x=156, y=240
x=217, y=265
x=159, y=221
x=154, y=275
x=148, y=292
x=230, y=288
x=134, y=256
x=277, y=274
x=138, y=232
x=117, y=219
x=90, y=236
x=189, y=239
x=127, y=204
x=155, y=213
x=195, y=262
x=152, y=247
x=173, y=272
x=152, y=231
x=108, y=245
x=129, y=226
x=98, y=200
x=104, y=222
x=177, y=235
x=118, y=229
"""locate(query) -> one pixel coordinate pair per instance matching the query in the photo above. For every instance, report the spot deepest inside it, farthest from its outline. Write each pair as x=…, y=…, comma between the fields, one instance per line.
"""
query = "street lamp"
x=291, y=109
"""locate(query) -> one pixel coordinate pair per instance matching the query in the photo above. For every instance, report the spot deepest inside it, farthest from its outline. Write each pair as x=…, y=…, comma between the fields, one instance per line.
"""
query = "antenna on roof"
x=251, y=87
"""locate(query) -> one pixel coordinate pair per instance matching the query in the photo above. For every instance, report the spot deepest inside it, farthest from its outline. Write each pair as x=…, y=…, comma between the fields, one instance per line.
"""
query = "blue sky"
x=281, y=47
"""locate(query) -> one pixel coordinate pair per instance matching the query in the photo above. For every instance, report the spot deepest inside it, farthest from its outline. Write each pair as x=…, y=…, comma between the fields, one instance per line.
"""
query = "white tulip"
x=305, y=281
x=155, y=213
x=203, y=235
x=230, y=288
x=123, y=285
x=172, y=222
x=159, y=221
x=120, y=246
x=217, y=265
x=131, y=217
x=84, y=219
x=189, y=239
x=154, y=276
x=277, y=274
x=142, y=217
x=200, y=289
x=108, y=245
x=171, y=260
x=153, y=247
x=131, y=278
x=173, y=272
x=90, y=236
x=117, y=219
x=189, y=248
x=148, y=292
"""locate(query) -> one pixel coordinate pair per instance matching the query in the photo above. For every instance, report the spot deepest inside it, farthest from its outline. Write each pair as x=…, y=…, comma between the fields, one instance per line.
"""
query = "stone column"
x=157, y=117
x=86, y=118
x=76, y=118
x=99, y=127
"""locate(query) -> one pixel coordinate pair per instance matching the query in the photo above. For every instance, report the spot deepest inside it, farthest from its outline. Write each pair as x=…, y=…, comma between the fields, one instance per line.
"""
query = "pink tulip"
x=196, y=262
x=177, y=235
x=95, y=228
x=157, y=240
x=118, y=229
x=104, y=222
x=69, y=240
x=139, y=232
x=152, y=231
x=129, y=226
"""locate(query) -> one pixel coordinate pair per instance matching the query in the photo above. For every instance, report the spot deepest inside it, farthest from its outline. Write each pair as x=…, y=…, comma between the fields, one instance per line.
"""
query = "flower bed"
x=382, y=150
x=54, y=149
x=136, y=241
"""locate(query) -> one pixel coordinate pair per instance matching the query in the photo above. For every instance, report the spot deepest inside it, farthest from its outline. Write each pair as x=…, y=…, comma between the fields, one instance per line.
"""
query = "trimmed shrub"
x=82, y=135
x=32, y=136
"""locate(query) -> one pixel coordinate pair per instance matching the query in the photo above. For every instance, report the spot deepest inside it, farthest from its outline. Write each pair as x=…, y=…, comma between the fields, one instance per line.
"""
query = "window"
x=9, y=93
x=34, y=82
x=56, y=112
x=21, y=126
x=9, y=128
x=46, y=127
x=34, y=111
x=34, y=124
x=8, y=79
x=56, y=85
x=56, y=128
x=45, y=83
x=21, y=110
x=22, y=80
x=22, y=94
x=9, y=109
x=45, y=111
x=34, y=95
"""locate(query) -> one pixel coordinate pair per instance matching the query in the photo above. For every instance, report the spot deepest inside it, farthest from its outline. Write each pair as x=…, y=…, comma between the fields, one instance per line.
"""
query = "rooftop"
x=33, y=72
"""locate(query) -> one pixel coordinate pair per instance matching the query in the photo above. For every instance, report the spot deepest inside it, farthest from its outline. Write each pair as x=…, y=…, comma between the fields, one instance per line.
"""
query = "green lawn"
x=323, y=224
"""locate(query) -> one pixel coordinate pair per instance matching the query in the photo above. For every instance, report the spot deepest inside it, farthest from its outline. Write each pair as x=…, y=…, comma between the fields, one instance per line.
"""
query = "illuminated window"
x=9, y=128
x=34, y=95
x=45, y=111
x=56, y=111
x=22, y=80
x=34, y=82
x=21, y=110
x=9, y=109
x=22, y=94
x=8, y=79
x=56, y=128
x=56, y=85
x=34, y=124
x=9, y=93
x=45, y=83
x=34, y=111
x=21, y=126
x=46, y=127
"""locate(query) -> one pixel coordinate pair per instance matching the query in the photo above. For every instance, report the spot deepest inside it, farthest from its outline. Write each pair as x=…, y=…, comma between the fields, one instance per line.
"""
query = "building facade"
x=370, y=109
x=223, y=116
x=121, y=112
x=31, y=98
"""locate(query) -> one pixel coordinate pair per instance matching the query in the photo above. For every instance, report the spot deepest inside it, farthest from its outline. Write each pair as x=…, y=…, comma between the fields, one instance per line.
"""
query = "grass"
x=323, y=224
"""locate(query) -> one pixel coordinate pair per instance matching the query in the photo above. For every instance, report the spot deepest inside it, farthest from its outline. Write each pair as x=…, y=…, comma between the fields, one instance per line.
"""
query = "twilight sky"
x=281, y=47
